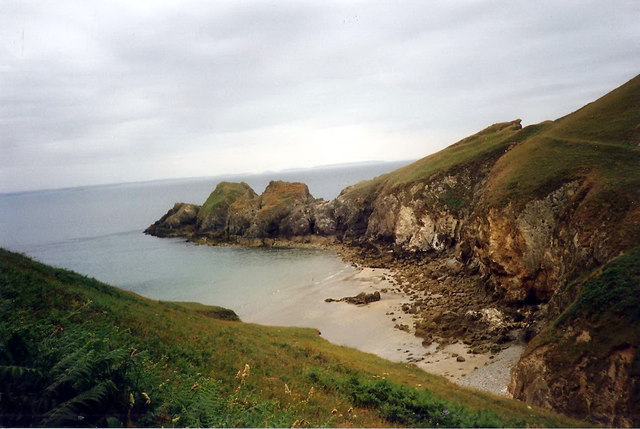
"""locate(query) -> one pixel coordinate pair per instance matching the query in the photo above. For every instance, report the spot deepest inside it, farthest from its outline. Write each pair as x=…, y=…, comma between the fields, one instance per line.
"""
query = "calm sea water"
x=97, y=231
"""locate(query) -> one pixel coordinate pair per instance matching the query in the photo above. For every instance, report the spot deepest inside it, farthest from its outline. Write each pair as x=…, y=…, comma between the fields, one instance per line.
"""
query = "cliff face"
x=523, y=212
x=585, y=362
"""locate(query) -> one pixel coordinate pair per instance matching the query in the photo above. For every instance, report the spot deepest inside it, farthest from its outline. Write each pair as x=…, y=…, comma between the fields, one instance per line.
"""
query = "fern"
x=71, y=412
x=14, y=372
x=75, y=370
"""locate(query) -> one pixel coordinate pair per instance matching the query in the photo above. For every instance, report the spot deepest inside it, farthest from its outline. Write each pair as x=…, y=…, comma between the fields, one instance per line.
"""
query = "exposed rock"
x=228, y=210
x=284, y=211
x=585, y=363
x=360, y=299
x=178, y=221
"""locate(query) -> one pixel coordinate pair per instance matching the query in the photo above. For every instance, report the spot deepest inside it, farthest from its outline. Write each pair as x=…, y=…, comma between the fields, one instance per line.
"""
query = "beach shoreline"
x=384, y=329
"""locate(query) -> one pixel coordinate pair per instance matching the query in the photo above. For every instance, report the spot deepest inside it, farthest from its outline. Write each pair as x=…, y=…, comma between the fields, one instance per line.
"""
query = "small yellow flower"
x=286, y=389
x=146, y=397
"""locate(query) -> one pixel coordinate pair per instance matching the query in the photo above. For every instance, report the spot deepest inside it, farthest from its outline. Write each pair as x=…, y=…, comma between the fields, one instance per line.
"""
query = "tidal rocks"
x=360, y=299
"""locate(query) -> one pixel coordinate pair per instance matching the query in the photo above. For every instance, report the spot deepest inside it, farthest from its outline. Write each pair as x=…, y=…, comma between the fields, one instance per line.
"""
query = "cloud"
x=95, y=92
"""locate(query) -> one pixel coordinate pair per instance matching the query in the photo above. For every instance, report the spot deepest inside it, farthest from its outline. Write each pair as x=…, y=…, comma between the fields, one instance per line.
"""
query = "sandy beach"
x=373, y=328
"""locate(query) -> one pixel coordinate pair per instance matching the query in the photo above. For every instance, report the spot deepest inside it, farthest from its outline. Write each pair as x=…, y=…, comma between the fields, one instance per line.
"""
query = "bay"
x=97, y=231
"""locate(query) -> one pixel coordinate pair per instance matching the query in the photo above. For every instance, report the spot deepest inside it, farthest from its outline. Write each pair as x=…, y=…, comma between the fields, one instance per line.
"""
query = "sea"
x=97, y=231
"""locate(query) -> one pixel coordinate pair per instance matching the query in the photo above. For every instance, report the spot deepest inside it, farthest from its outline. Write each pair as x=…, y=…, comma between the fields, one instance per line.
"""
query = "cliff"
x=503, y=221
x=585, y=362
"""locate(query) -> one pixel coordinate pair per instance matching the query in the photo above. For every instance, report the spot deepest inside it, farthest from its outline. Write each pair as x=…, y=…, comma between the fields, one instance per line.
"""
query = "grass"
x=492, y=140
x=173, y=364
x=598, y=145
x=612, y=119
x=542, y=164
x=226, y=194
x=212, y=311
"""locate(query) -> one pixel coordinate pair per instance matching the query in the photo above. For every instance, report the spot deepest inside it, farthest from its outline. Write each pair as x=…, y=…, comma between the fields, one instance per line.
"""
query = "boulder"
x=360, y=299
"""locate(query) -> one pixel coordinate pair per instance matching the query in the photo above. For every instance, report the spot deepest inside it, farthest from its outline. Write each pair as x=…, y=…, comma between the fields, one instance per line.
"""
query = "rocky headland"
x=504, y=236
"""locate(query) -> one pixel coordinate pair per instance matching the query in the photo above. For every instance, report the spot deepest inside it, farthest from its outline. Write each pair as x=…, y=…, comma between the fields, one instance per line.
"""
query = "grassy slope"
x=492, y=140
x=226, y=194
x=598, y=143
x=187, y=363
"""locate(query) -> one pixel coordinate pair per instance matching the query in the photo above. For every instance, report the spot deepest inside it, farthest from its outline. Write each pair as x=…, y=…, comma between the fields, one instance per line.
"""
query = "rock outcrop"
x=235, y=213
x=362, y=298
x=180, y=221
x=228, y=210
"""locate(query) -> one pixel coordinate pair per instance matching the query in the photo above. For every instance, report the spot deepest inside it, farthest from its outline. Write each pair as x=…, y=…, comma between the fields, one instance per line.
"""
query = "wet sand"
x=371, y=328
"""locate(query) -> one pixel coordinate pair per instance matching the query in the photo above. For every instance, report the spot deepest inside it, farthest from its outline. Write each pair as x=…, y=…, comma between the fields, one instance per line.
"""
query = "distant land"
x=222, y=177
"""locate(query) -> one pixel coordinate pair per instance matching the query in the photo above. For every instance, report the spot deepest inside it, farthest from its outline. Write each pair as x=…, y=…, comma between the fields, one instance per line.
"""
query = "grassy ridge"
x=598, y=144
x=492, y=140
x=74, y=351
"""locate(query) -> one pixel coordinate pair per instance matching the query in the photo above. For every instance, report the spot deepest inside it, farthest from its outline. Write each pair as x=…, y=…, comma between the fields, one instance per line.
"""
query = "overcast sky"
x=111, y=91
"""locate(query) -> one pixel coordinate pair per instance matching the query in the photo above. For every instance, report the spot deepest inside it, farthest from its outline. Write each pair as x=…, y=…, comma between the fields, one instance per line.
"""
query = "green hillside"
x=492, y=141
x=598, y=143
x=77, y=352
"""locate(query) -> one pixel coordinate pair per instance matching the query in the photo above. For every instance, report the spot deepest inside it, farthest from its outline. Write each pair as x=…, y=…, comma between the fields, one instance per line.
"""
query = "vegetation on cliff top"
x=77, y=352
x=224, y=195
x=277, y=200
x=598, y=143
x=490, y=141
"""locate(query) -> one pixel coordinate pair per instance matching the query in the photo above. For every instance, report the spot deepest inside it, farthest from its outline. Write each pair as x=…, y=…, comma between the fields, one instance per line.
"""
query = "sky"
x=95, y=92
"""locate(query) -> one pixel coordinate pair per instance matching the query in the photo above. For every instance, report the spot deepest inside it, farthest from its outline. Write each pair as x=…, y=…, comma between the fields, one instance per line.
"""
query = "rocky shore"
x=381, y=327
